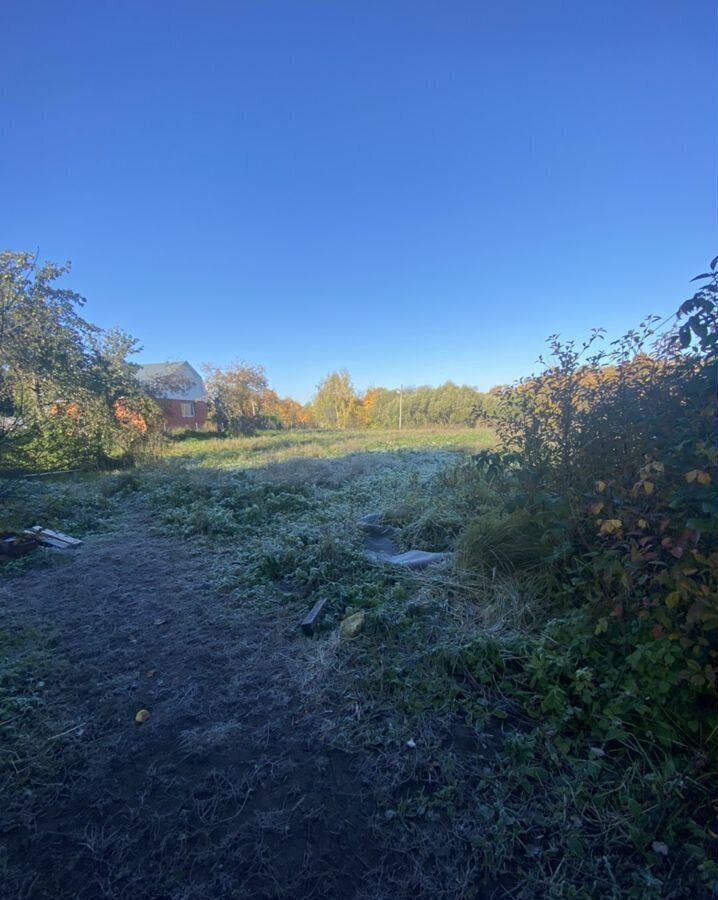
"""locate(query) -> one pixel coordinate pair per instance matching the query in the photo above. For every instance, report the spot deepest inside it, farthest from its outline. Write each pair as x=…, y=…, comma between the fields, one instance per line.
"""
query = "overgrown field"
x=250, y=452
x=490, y=741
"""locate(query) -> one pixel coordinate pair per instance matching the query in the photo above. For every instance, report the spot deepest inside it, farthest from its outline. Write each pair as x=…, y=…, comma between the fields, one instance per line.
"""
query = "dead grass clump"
x=505, y=604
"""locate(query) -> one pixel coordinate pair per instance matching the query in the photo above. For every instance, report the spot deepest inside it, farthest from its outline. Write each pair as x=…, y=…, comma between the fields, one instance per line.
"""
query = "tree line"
x=337, y=404
x=241, y=402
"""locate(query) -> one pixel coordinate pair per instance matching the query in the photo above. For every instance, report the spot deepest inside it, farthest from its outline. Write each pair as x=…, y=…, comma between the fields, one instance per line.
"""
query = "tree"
x=446, y=405
x=61, y=377
x=367, y=404
x=336, y=404
x=284, y=412
x=43, y=340
x=239, y=396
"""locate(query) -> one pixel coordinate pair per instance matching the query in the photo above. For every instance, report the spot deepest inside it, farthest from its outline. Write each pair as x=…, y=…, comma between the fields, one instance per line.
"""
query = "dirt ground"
x=228, y=790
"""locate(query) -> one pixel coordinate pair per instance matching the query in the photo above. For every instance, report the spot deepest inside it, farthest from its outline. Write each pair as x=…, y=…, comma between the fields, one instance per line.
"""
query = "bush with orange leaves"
x=130, y=417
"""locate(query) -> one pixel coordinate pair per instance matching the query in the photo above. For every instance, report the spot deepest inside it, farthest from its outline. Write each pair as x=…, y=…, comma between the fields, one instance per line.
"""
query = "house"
x=179, y=390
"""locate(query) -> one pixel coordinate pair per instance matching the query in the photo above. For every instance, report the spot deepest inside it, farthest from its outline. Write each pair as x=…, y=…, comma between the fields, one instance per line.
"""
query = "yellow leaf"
x=600, y=487
x=698, y=475
x=596, y=508
x=642, y=523
x=648, y=487
x=142, y=716
x=610, y=526
x=673, y=599
x=351, y=626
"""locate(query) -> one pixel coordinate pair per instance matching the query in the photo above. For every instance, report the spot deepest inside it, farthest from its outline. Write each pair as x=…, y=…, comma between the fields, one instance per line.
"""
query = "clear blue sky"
x=414, y=190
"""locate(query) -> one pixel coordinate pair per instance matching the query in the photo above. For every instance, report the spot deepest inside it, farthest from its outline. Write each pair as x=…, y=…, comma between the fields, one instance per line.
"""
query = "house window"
x=188, y=410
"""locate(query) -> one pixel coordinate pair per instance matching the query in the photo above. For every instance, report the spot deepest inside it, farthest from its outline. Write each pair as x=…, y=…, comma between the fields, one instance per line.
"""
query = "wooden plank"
x=312, y=616
x=57, y=535
x=52, y=538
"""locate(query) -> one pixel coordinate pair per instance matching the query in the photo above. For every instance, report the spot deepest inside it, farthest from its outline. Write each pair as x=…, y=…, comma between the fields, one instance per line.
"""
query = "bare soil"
x=228, y=790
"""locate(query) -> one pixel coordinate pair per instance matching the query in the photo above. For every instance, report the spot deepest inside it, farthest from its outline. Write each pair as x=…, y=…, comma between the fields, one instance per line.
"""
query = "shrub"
x=604, y=491
x=614, y=460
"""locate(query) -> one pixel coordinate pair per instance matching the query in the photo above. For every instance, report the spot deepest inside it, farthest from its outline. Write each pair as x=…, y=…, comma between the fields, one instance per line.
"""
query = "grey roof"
x=172, y=380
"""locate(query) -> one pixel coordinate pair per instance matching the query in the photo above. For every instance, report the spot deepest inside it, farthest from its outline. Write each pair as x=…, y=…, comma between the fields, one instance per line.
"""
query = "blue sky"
x=416, y=191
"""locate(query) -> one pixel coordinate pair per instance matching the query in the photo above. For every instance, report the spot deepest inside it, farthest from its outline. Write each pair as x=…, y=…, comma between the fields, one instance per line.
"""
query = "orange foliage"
x=288, y=413
x=367, y=402
x=71, y=410
x=129, y=417
x=370, y=398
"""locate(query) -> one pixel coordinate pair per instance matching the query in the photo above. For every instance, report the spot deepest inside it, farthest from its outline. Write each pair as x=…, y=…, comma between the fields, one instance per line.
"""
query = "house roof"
x=172, y=380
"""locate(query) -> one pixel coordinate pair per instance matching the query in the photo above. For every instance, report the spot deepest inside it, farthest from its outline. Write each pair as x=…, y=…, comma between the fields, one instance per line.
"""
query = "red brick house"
x=179, y=390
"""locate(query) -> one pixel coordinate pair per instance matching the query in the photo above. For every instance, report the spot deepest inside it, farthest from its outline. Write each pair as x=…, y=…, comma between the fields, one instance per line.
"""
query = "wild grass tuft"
x=501, y=542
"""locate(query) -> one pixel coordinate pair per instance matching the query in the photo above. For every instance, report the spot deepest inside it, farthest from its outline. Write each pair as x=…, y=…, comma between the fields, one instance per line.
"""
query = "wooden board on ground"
x=52, y=538
x=312, y=616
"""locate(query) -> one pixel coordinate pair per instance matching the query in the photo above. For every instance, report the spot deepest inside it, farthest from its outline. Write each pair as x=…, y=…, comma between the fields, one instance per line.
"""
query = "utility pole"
x=400, y=392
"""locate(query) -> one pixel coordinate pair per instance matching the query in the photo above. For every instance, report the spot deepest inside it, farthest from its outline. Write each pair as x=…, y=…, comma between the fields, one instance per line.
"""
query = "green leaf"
x=699, y=328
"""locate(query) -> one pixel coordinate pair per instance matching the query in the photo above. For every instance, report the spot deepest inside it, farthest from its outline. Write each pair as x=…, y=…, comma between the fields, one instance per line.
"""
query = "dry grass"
x=491, y=605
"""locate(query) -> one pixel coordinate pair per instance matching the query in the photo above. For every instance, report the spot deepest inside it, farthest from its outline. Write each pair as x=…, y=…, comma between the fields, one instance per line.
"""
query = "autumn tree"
x=286, y=413
x=367, y=403
x=335, y=404
x=239, y=397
